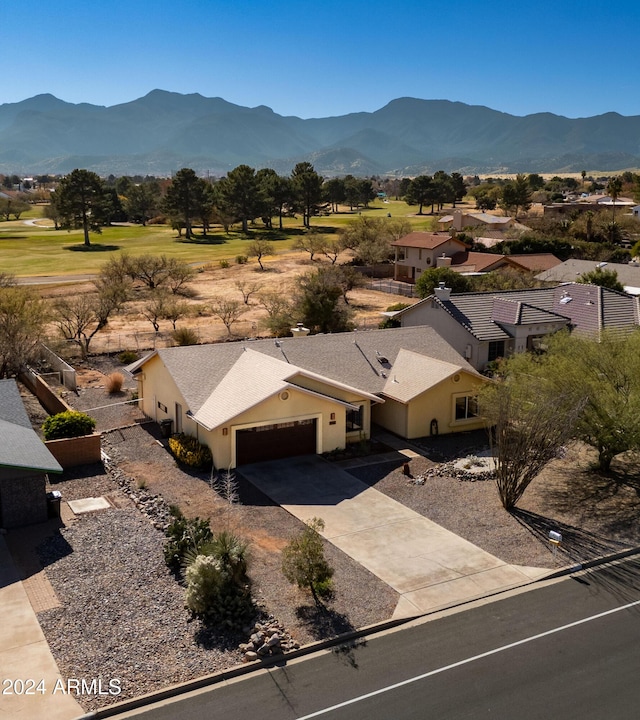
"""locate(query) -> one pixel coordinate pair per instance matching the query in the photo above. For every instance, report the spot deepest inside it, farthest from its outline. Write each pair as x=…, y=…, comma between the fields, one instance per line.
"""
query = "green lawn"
x=34, y=250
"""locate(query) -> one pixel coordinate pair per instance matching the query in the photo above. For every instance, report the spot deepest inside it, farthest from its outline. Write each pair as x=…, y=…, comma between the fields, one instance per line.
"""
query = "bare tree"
x=247, y=289
x=175, y=309
x=280, y=311
x=80, y=317
x=310, y=242
x=259, y=249
x=529, y=423
x=332, y=248
x=22, y=320
x=154, y=309
x=179, y=274
x=229, y=311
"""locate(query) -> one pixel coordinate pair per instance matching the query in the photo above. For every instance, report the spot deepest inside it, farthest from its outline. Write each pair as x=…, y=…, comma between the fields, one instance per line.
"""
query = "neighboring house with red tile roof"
x=485, y=326
x=419, y=251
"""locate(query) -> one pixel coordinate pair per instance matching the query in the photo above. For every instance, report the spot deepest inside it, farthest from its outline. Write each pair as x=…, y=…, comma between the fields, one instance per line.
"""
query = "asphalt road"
x=568, y=649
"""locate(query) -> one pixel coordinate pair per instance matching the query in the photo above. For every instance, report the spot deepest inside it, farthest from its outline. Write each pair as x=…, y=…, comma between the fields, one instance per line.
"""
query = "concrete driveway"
x=430, y=567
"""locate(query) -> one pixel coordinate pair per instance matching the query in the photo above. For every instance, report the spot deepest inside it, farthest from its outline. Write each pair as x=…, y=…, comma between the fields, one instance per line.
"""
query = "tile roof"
x=360, y=360
x=588, y=308
x=430, y=241
x=471, y=261
x=535, y=262
x=21, y=447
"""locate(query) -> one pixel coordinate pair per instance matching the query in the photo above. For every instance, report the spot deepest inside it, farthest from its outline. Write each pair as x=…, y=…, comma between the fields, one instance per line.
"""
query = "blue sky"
x=315, y=59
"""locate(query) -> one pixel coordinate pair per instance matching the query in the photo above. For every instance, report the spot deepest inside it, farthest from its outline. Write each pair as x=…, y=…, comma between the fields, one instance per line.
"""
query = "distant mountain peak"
x=164, y=130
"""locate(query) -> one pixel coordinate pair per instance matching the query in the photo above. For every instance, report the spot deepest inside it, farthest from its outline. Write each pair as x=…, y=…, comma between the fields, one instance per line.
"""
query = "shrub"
x=190, y=452
x=128, y=356
x=392, y=322
x=185, y=336
x=241, y=259
x=224, y=263
x=303, y=561
x=68, y=424
x=217, y=587
x=185, y=535
x=115, y=381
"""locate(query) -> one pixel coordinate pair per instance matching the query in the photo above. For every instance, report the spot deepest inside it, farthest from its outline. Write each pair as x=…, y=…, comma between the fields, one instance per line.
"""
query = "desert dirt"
x=130, y=330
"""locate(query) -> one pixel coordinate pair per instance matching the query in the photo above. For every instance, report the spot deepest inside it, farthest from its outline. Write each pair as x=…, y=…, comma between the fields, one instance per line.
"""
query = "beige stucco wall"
x=158, y=391
x=330, y=434
x=423, y=259
x=392, y=415
x=413, y=420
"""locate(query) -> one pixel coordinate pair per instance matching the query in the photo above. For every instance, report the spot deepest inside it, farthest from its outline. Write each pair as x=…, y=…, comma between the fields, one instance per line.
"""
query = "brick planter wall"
x=70, y=452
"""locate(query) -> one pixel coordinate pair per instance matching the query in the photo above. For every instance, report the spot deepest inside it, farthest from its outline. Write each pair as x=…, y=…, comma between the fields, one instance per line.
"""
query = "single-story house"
x=25, y=462
x=266, y=399
x=460, y=220
x=570, y=270
x=484, y=326
x=587, y=203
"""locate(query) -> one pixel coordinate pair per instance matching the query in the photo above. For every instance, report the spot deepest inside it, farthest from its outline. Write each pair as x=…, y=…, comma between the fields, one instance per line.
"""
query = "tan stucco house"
x=268, y=399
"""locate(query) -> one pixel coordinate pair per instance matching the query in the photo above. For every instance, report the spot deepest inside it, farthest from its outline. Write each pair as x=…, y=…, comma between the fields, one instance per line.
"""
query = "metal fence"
x=393, y=287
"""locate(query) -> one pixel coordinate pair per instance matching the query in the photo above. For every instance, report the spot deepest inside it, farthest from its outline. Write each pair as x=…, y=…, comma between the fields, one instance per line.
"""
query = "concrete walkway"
x=430, y=567
x=25, y=655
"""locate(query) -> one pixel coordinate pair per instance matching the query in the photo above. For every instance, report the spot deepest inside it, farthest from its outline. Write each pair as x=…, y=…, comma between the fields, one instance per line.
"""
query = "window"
x=354, y=420
x=496, y=350
x=466, y=407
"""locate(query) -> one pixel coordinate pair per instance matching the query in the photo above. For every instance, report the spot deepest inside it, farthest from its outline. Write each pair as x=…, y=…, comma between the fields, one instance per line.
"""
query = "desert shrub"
x=217, y=586
x=224, y=263
x=126, y=357
x=185, y=336
x=184, y=535
x=68, y=424
x=304, y=563
x=115, y=381
x=241, y=259
x=189, y=451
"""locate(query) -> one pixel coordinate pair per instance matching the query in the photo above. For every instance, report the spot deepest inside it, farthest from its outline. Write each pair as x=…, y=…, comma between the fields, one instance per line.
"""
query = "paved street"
x=568, y=649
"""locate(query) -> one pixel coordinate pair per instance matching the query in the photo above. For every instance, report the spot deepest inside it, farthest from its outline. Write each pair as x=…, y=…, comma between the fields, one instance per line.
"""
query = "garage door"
x=273, y=442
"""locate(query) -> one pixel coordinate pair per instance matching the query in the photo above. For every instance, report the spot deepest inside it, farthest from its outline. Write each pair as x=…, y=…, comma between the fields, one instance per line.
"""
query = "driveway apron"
x=430, y=567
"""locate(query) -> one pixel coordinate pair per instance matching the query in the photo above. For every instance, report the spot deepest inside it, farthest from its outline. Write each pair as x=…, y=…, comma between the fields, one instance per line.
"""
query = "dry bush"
x=115, y=381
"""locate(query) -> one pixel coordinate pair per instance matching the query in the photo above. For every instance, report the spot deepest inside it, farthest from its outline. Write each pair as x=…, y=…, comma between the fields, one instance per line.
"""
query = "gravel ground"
x=123, y=614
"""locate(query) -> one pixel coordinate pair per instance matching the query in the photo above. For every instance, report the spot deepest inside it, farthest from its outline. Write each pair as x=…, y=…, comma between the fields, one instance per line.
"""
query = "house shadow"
x=34, y=547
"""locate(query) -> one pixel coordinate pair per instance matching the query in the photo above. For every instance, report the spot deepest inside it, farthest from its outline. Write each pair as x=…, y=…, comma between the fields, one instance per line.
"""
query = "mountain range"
x=163, y=131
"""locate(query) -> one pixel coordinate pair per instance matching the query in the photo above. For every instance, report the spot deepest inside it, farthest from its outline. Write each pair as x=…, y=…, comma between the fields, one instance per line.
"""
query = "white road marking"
x=380, y=691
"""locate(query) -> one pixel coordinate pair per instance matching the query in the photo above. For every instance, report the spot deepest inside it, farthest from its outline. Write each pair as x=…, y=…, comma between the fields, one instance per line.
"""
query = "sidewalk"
x=25, y=655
